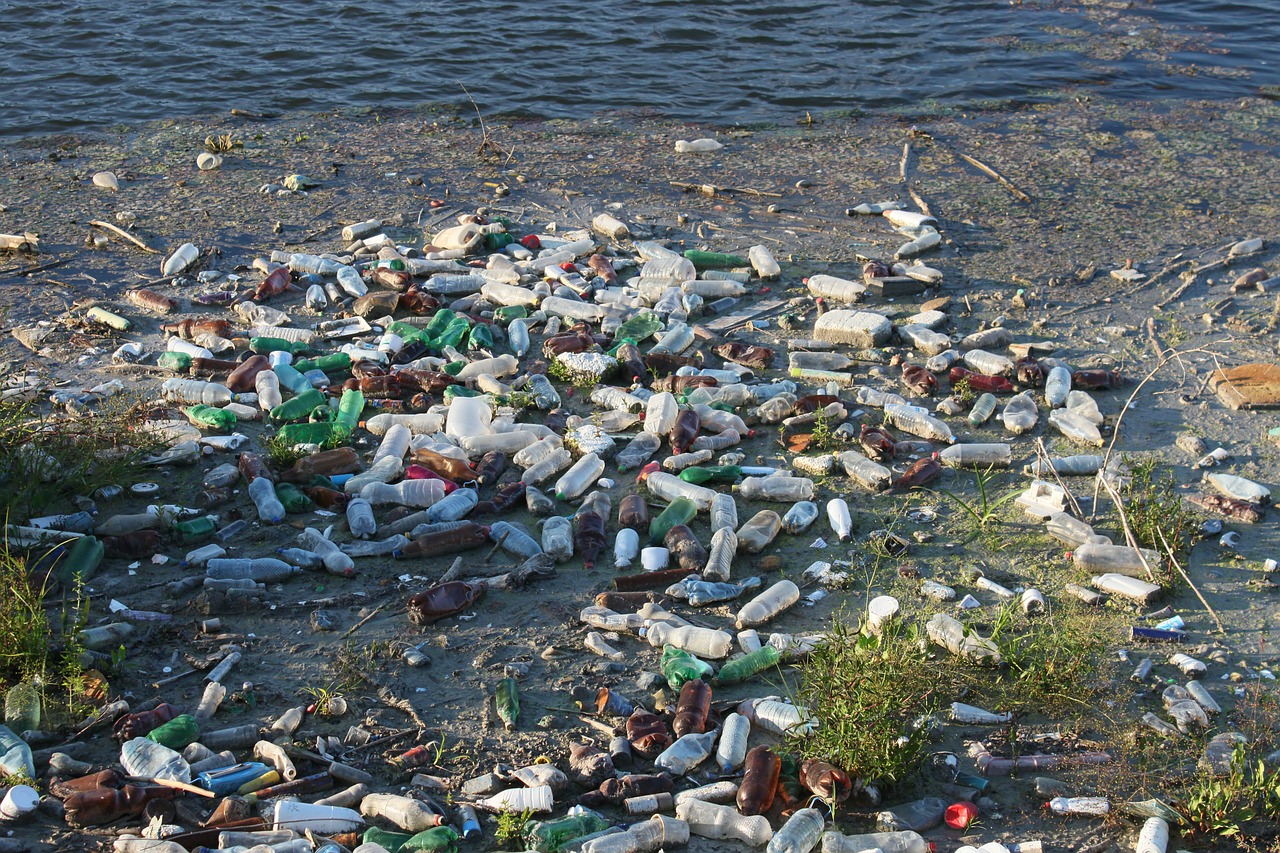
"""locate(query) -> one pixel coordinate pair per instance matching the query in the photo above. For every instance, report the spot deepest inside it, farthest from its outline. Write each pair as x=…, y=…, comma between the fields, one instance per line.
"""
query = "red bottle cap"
x=531, y=242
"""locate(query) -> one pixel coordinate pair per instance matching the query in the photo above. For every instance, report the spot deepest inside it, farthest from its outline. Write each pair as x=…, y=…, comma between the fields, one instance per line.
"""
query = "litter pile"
x=503, y=375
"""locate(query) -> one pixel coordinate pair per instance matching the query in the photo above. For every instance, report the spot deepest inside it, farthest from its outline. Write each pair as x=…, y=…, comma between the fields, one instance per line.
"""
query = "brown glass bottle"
x=633, y=512
x=677, y=384
x=813, y=402
x=692, y=708
x=685, y=430
x=1096, y=380
x=103, y=805
x=444, y=599
x=446, y=466
x=588, y=537
x=647, y=733
x=685, y=547
x=413, y=350
x=242, y=378
x=759, y=781
x=386, y=386
x=826, y=780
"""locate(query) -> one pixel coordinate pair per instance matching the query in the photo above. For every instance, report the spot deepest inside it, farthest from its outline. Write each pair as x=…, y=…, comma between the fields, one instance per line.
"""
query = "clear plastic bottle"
x=1020, y=414
x=638, y=451
x=263, y=493
x=720, y=556
x=149, y=760
x=870, y=475
x=420, y=494
x=557, y=538
x=950, y=633
x=916, y=816
x=719, y=441
x=335, y=562
x=909, y=419
x=800, y=833
x=408, y=814
x=732, y=749
x=702, y=642
x=267, y=386
x=724, y=512
x=720, y=420
x=776, y=488
x=538, y=799
x=840, y=519
x=762, y=261
x=261, y=570
x=1057, y=385
x=983, y=408
x=660, y=413
x=994, y=455
x=360, y=518
x=1119, y=559
x=838, y=289
x=800, y=517
x=395, y=443
x=1075, y=427
x=759, y=531
x=580, y=477
x=192, y=391
x=886, y=842
x=768, y=604
x=555, y=462
x=686, y=753
x=711, y=820
x=518, y=336
x=989, y=363
x=1240, y=488
x=611, y=397
x=545, y=396
x=675, y=340
x=669, y=487
x=454, y=506
x=1095, y=806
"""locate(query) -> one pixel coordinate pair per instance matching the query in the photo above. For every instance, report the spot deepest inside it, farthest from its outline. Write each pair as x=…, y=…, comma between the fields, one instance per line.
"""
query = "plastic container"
x=800, y=517
x=1075, y=427
x=1057, y=385
x=703, y=642
x=419, y=494
x=580, y=477
x=15, y=755
x=263, y=493
x=732, y=748
x=988, y=363
x=360, y=519
x=408, y=814
x=759, y=531
x=323, y=820
x=1020, y=414
x=776, y=488
x=768, y=604
x=193, y=391
x=557, y=538
x=1093, y=806
x=800, y=833
x=949, y=633
x=1119, y=559
x=686, y=753
x=149, y=760
x=886, y=842
x=977, y=456
x=724, y=823
x=260, y=570
x=908, y=419
x=840, y=519
x=720, y=556
x=660, y=413
x=1154, y=837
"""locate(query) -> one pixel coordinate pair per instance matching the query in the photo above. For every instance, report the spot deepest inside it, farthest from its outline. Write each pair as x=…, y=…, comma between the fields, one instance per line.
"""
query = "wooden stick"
x=905, y=161
x=920, y=202
x=1185, y=577
x=361, y=623
x=20, y=271
x=185, y=786
x=126, y=235
x=997, y=176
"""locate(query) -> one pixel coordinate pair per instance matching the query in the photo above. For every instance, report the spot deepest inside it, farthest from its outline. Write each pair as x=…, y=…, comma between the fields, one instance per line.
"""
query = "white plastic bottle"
x=1154, y=837
x=406, y=813
x=840, y=519
x=720, y=556
x=711, y=820
x=518, y=336
x=768, y=604
x=908, y=419
x=995, y=455
x=580, y=477
x=702, y=642
x=395, y=443
x=384, y=470
x=838, y=289
x=732, y=749
x=759, y=531
x=149, y=760
x=800, y=833
x=1096, y=806
x=538, y=799
x=776, y=488
x=267, y=385
x=950, y=633
x=360, y=519
x=1240, y=488
x=660, y=413
x=262, y=569
x=638, y=450
x=1127, y=587
x=626, y=547
x=669, y=487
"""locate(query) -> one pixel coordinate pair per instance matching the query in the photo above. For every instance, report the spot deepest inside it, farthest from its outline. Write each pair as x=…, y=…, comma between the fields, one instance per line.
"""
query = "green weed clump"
x=1153, y=507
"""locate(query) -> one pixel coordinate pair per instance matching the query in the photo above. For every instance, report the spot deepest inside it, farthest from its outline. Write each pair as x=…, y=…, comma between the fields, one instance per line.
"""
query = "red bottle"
x=647, y=733
x=603, y=267
x=692, y=708
x=1096, y=380
x=980, y=382
x=759, y=781
x=921, y=472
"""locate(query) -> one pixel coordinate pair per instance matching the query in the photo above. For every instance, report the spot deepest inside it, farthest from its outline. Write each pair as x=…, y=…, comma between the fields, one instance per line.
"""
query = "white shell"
x=106, y=180
x=207, y=162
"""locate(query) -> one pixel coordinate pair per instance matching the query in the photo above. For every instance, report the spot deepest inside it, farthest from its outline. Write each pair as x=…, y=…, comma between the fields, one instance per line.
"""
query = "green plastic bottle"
x=177, y=733
x=350, y=407
x=460, y=391
x=639, y=327
x=711, y=474
x=178, y=362
x=309, y=433
x=82, y=560
x=551, y=836
x=292, y=499
x=679, y=511
x=299, y=407
x=437, y=839
x=193, y=529
x=506, y=313
x=508, y=702
x=332, y=362
x=747, y=666
x=207, y=416
x=22, y=707
x=291, y=379
x=712, y=260
x=406, y=331
x=453, y=334
x=453, y=368
x=495, y=242
x=481, y=337
x=393, y=841
x=680, y=667
x=438, y=324
x=267, y=345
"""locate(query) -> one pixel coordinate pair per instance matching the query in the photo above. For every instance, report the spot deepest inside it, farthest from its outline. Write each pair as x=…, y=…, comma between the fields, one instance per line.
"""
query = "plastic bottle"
x=261, y=570
x=838, y=289
x=408, y=814
x=758, y=531
x=557, y=461
x=703, y=642
x=263, y=493
x=776, y=488
x=724, y=512
x=732, y=749
x=360, y=518
x=626, y=547
x=660, y=413
x=193, y=391
x=720, y=556
x=711, y=820
x=917, y=816
x=908, y=419
x=551, y=836
x=1075, y=427
x=557, y=538
x=759, y=781
x=411, y=493
x=1057, y=385
x=886, y=842
x=950, y=633
x=22, y=707
x=988, y=363
x=768, y=604
x=147, y=759
x=679, y=511
x=1239, y=488
x=537, y=799
x=1120, y=559
x=1020, y=414
x=1095, y=806
x=977, y=456
x=800, y=517
x=748, y=666
x=15, y=755
x=800, y=833
x=686, y=753
x=840, y=519
x=580, y=477
x=1127, y=587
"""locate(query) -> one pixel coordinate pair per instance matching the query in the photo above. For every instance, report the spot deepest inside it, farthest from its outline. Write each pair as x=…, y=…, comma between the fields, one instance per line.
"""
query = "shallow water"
x=77, y=65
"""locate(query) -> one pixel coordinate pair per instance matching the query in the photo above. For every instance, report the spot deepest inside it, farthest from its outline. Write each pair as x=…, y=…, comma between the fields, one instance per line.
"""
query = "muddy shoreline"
x=1110, y=185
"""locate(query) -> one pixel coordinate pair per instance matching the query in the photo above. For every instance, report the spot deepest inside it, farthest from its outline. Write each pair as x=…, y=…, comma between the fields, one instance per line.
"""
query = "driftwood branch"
x=999, y=178
x=125, y=234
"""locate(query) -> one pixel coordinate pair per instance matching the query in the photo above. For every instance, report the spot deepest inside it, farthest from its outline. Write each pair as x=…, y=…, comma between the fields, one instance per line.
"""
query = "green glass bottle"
x=298, y=407
x=747, y=666
x=393, y=841
x=679, y=511
x=678, y=666
x=508, y=702
x=178, y=362
x=177, y=733
x=207, y=416
x=711, y=474
x=712, y=260
x=437, y=839
x=292, y=499
x=332, y=362
x=194, y=529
